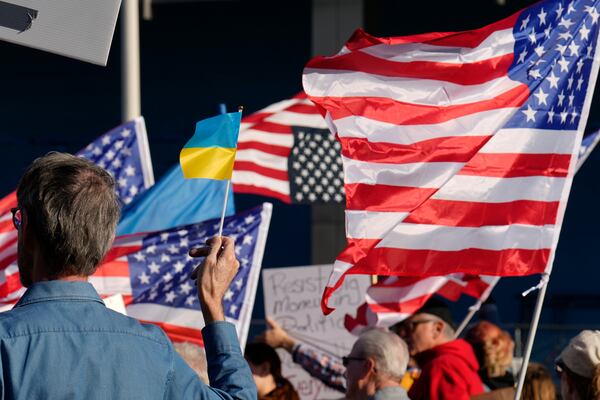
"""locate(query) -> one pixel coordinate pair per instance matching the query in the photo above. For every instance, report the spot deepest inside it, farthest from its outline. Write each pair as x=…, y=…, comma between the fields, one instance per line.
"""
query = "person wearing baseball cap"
x=449, y=368
x=578, y=366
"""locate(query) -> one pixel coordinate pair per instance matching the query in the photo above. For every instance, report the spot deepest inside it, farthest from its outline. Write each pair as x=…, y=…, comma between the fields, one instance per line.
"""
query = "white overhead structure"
x=81, y=29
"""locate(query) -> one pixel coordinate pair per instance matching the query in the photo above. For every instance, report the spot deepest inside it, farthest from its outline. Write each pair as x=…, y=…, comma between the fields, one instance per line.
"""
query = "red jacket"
x=448, y=372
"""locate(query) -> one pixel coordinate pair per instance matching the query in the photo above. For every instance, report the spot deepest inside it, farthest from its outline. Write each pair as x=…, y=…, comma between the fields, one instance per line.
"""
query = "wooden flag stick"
x=224, y=207
x=223, y=111
x=532, y=331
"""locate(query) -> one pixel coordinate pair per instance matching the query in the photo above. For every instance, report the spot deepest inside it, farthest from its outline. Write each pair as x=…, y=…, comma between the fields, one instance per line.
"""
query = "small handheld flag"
x=210, y=153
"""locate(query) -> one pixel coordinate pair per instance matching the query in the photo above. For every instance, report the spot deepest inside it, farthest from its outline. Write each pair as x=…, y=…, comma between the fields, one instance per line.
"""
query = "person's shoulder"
x=131, y=326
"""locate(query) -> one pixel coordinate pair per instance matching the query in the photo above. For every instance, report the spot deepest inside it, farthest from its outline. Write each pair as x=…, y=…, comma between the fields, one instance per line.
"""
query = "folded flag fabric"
x=175, y=201
x=210, y=153
x=287, y=152
x=152, y=272
x=589, y=142
x=394, y=299
x=459, y=148
x=123, y=152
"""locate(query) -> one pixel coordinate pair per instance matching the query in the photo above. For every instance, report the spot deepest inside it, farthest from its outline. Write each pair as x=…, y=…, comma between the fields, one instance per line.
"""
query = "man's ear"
x=371, y=365
x=438, y=328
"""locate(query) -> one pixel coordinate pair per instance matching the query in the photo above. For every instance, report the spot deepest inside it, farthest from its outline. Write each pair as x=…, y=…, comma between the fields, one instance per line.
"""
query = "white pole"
x=224, y=207
x=472, y=310
x=130, y=60
x=531, y=337
x=475, y=307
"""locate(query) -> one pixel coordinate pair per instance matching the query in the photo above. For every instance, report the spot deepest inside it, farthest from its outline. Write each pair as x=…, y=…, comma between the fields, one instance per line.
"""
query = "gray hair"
x=70, y=207
x=388, y=349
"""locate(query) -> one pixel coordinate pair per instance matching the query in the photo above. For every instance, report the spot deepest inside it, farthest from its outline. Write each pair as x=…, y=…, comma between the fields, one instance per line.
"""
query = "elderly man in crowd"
x=448, y=366
x=375, y=367
x=60, y=341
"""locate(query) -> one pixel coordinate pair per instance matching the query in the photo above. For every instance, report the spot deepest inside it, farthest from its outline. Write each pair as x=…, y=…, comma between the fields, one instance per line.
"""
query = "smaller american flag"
x=285, y=151
x=393, y=299
x=152, y=272
x=125, y=154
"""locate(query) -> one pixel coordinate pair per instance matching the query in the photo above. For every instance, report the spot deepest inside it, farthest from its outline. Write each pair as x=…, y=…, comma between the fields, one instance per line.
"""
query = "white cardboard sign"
x=81, y=29
x=293, y=297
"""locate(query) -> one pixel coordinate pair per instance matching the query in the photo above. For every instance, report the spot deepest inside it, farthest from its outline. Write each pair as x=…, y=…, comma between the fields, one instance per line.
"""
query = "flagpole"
x=130, y=61
x=476, y=307
x=223, y=111
x=532, y=331
x=224, y=207
x=472, y=311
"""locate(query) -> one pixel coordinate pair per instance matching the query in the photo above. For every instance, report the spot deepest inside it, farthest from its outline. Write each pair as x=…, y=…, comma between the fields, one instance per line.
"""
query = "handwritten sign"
x=293, y=298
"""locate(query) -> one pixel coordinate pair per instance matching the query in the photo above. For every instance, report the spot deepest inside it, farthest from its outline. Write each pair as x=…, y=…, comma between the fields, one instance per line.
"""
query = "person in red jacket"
x=448, y=366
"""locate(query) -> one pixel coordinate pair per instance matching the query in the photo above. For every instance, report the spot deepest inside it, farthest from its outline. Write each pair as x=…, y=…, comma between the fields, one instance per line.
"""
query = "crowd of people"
x=60, y=341
x=432, y=364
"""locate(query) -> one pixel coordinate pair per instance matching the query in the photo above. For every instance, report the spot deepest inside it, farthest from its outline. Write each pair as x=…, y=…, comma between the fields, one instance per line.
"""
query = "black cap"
x=437, y=307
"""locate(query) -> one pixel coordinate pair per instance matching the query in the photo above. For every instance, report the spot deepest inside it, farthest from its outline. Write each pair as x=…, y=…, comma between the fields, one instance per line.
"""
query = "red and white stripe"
x=394, y=299
x=264, y=144
x=433, y=183
x=10, y=284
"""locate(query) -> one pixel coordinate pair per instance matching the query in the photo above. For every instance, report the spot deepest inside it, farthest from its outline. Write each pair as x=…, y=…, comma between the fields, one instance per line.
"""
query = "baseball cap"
x=582, y=354
x=437, y=307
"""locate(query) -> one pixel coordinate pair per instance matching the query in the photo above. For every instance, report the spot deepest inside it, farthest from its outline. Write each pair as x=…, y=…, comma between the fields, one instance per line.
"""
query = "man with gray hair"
x=61, y=342
x=375, y=367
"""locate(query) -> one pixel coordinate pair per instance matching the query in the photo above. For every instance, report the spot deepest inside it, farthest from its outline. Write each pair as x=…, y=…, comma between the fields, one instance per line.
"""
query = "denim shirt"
x=61, y=342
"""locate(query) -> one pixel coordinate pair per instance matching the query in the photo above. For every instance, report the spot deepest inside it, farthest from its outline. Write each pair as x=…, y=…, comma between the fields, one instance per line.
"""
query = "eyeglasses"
x=17, y=217
x=410, y=326
x=346, y=360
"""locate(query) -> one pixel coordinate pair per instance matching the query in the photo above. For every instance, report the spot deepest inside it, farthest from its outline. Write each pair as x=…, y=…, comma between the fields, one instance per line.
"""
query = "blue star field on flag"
x=554, y=51
x=160, y=271
x=121, y=152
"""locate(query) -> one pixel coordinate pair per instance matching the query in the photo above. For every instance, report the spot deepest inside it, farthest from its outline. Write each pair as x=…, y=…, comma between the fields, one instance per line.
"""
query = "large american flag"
x=152, y=272
x=123, y=152
x=459, y=148
x=393, y=299
x=285, y=151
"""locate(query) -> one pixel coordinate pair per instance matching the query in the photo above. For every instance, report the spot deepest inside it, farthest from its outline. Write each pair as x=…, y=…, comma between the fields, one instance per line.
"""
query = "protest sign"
x=292, y=298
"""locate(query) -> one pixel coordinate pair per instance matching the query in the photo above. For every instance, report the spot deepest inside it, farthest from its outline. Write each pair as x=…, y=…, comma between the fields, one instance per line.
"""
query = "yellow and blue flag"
x=210, y=153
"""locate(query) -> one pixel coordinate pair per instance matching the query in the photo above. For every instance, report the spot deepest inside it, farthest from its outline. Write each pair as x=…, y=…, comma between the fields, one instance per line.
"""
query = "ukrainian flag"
x=210, y=153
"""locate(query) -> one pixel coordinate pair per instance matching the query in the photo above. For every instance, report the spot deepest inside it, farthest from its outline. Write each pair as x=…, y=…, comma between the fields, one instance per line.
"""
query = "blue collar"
x=59, y=290
x=391, y=392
